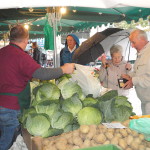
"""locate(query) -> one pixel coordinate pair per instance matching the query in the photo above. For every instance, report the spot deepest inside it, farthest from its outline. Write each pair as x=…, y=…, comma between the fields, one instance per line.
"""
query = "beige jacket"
x=141, y=74
x=109, y=77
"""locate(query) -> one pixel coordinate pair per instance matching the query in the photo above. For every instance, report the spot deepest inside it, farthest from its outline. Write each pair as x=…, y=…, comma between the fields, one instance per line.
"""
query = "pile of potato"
x=94, y=135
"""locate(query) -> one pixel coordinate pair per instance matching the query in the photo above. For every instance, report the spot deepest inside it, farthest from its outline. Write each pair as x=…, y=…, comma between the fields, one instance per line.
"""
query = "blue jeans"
x=8, y=125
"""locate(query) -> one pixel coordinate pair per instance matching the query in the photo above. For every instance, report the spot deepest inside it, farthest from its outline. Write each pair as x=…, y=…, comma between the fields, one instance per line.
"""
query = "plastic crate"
x=103, y=147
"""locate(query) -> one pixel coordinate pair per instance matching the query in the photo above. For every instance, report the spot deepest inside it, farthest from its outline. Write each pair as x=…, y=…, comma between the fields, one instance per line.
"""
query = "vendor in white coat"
x=140, y=77
x=111, y=70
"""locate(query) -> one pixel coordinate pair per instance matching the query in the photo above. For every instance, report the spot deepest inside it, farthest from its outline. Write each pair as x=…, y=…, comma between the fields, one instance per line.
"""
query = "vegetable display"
x=96, y=135
x=62, y=107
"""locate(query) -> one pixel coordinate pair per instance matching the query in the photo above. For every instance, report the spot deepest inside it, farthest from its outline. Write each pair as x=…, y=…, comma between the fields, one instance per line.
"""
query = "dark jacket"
x=37, y=55
x=65, y=55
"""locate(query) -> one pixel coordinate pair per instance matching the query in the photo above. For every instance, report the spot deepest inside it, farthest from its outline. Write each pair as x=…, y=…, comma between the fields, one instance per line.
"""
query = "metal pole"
x=56, y=58
x=55, y=49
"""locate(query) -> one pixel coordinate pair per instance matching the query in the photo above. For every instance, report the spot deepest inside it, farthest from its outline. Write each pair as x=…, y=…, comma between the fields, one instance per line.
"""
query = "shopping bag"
x=87, y=80
x=142, y=126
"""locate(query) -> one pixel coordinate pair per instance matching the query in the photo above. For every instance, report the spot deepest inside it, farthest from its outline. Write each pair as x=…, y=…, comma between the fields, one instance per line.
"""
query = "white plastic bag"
x=86, y=79
x=19, y=144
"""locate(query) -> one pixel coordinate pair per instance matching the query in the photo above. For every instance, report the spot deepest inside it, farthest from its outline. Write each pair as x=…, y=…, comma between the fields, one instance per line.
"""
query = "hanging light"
x=26, y=26
x=31, y=9
x=63, y=10
x=74, y=10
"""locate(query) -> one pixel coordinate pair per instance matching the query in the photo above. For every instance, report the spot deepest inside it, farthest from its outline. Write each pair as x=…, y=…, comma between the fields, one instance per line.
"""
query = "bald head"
x=138, y=39
x=139, y=34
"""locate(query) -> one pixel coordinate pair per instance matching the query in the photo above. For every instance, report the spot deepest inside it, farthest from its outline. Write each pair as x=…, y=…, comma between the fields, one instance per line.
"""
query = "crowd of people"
x=18, y=68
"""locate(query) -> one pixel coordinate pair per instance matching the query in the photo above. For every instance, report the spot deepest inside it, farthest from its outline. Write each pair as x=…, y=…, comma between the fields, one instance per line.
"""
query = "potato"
x=142, y=147
x=77, y=141
x=134, y=146
x=92, y=132
x=122, y=143
x=141, y=136
x=129, y=139
x=106, y=142
x=75, y=147
x=82, y=136
x=134, y=133
x=84, y=129
x=110, y=130
x=109, y=135
x=129, y=131
x=114, y=141
x=100, y=138
x=93, y=143
x=75, y=133
x=70, y=140
x=61, y=145
x=137, y=140
x=123, y=132
x=118, y=135
x=86, y=143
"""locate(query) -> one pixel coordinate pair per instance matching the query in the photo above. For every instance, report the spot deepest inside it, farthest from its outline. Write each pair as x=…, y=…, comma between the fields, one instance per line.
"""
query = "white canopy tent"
x=91, y=3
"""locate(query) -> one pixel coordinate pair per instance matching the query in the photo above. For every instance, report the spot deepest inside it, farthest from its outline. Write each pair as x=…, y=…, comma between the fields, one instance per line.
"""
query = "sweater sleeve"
x=47, y=73
x=102, y=74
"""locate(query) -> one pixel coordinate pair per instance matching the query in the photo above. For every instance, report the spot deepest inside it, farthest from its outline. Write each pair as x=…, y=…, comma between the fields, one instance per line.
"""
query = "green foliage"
x=109, y=95
x=132, y=24
x=117, y=108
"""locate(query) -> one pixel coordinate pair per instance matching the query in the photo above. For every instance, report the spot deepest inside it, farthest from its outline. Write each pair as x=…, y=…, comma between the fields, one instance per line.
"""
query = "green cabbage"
x=37, y=124
x=72, y=105
x=48, y=91
x=89, y=116
x=47, y=107
x=89, y=101
x=115, y=108
x=61, y=119
x=71, y=88
x=52, y=132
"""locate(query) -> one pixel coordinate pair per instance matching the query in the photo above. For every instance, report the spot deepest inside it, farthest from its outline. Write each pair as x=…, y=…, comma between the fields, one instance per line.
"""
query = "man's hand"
x=68, y=68
x=128, y=66
x=129, y=83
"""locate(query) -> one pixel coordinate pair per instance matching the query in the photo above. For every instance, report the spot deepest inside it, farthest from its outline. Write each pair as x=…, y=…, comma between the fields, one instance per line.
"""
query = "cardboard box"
x=33, y=143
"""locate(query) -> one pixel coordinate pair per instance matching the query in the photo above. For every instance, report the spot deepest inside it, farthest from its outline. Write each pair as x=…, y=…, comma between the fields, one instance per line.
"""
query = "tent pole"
x=55, y=41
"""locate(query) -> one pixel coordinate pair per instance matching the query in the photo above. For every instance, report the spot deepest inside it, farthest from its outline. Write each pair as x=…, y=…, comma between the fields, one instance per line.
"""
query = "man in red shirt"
x=16, y=69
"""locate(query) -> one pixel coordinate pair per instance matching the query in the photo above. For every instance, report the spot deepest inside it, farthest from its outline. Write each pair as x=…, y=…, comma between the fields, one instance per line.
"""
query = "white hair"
x=140, y=34
x=115, y=49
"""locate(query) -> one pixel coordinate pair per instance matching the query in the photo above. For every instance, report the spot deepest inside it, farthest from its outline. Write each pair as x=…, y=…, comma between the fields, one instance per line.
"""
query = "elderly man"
x=140, y=77
x=16, y=69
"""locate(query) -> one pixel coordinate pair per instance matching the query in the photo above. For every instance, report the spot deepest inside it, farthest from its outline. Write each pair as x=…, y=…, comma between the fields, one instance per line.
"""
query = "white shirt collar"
x=71, y=50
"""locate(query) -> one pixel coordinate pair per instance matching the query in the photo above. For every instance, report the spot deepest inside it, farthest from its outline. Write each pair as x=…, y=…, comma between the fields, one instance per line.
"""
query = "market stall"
x=65, y=116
